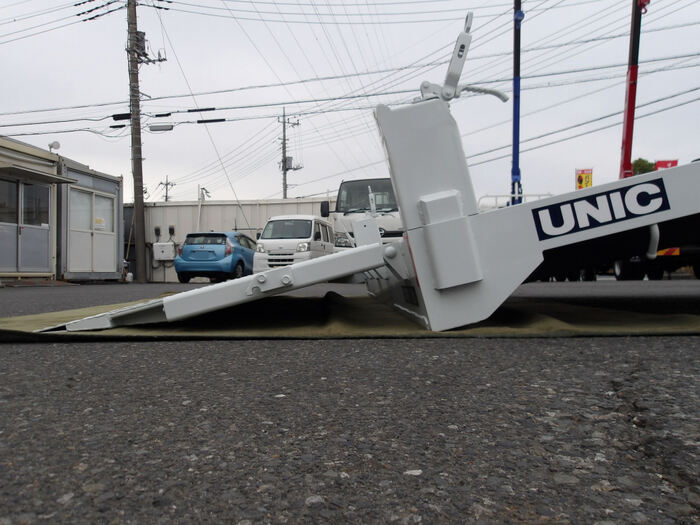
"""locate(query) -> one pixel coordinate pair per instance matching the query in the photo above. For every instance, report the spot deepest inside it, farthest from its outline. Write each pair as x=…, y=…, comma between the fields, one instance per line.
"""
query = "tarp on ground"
x=335, y=316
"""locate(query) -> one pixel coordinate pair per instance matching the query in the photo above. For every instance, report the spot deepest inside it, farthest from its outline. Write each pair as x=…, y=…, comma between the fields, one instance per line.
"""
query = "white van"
x=287, y=239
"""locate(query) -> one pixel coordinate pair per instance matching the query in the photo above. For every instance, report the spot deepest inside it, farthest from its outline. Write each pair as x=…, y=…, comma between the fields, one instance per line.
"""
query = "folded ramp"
x=250, y=288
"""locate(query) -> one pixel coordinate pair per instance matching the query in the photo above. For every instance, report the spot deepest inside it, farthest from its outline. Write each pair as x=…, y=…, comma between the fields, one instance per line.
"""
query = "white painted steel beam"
x=250, y=288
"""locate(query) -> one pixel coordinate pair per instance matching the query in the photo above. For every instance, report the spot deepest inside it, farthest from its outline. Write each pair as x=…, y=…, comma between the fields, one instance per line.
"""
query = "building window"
x=104, y=213
x=80, y=210
x=35, y=201
x=8, y=201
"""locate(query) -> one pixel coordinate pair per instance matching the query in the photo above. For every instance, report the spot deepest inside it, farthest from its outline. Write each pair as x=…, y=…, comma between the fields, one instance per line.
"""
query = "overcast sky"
x=328, y=63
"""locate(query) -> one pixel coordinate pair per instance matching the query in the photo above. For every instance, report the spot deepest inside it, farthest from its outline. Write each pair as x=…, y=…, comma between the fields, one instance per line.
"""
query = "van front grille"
x=276, y=259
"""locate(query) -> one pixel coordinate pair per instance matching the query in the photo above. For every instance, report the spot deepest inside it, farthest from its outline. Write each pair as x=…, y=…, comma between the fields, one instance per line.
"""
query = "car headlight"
x=303, y=247
x=260, y=248
x=342, y=240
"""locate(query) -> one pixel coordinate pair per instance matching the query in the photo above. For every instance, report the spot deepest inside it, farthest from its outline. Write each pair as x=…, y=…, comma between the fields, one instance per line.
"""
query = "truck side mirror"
x=317, y=236
x=257, y=236
x=325, y=208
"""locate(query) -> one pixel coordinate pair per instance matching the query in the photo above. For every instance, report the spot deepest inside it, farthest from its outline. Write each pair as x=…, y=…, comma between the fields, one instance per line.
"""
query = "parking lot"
x=490, y=430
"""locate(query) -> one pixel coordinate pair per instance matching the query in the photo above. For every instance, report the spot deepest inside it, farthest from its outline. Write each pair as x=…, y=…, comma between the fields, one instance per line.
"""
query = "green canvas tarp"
x=335, y=316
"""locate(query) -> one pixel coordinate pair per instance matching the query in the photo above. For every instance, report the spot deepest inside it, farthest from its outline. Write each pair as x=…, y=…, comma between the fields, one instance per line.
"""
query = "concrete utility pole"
x=286, y=161
x=136, y=157
x=136, y=51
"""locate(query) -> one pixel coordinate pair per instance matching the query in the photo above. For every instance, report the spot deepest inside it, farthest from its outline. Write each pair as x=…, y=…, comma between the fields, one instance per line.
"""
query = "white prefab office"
x=90, y=224
x=29, y=181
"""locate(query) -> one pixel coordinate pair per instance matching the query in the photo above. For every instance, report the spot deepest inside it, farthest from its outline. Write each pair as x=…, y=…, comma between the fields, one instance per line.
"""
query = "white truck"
x=361, y=199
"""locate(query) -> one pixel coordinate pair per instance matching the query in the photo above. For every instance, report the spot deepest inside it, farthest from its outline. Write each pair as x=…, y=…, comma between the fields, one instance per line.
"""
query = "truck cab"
x=361, y=199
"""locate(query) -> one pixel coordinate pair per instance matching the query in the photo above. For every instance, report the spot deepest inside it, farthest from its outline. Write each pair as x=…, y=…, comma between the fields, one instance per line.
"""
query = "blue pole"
x=516, y=189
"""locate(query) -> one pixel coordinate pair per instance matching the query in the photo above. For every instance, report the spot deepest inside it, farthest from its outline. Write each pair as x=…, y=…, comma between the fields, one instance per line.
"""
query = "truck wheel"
x=626, y=270
x=696, y=270
x=183, y=277
x=588, y=274
x=655, y=273
x=574, y=276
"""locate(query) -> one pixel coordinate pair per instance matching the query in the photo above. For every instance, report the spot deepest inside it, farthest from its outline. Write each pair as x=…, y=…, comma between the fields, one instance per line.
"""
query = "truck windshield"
x=287, y=229
x=353, y=195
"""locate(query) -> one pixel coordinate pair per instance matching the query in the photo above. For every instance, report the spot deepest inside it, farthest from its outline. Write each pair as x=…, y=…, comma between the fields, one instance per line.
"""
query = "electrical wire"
x=211, y=139
x=588, y=132
x=324, y=78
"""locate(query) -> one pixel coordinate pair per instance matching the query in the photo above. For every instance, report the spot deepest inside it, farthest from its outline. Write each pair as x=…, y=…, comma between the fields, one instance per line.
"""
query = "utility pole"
x=516, y=189
x=136, y=156
x=286, y=161
x=202, y=193
x=136, y=51
x=166, y=185
x=638, y=8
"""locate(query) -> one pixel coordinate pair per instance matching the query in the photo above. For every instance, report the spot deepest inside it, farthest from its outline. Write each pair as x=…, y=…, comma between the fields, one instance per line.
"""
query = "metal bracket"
x=451, y=88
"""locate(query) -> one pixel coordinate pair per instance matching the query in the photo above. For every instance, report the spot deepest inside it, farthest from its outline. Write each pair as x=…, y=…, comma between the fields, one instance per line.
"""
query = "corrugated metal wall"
x=248, y=217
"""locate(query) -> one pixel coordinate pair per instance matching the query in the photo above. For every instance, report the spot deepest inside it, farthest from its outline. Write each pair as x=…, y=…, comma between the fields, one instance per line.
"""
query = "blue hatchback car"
x=217, y=255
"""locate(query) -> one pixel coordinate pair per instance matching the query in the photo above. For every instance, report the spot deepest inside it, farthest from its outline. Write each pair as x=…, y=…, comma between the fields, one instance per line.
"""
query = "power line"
x=591, y=121
x=364, y=95
x=88, y=19
x=328, y=77
x=590, y=132
x=420, y=20
x=211, y=139
x=342, y=109
x=472, y=164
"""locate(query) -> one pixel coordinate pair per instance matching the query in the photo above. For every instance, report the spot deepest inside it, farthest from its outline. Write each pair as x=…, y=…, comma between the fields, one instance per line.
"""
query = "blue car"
x=217, y=255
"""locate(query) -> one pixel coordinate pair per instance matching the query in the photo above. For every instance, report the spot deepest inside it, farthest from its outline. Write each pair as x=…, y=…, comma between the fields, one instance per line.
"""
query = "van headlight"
x=342, y=240
x=260, y=248
x=303, y=247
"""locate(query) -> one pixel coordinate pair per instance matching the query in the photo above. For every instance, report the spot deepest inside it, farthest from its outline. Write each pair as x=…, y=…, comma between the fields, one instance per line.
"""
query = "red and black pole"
x=638, y=8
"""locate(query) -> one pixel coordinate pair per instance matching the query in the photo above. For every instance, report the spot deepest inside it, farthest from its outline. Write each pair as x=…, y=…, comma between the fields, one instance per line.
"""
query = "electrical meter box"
x=163, y=251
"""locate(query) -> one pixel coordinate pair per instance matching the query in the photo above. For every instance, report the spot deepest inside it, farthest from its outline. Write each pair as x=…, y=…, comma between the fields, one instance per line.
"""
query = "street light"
x=160, y=127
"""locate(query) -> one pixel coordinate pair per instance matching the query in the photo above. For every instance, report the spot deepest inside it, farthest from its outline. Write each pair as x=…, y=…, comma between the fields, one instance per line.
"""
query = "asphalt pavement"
x=578, y=430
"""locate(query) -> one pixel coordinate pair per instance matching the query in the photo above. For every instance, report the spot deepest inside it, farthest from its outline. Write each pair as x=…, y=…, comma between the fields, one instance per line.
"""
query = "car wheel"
x=183, y=277
x=237, y=271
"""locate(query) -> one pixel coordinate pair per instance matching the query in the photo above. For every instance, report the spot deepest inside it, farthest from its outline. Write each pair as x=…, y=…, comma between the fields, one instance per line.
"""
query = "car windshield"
x=205, y=238
x=354, y=195
x=287, y=229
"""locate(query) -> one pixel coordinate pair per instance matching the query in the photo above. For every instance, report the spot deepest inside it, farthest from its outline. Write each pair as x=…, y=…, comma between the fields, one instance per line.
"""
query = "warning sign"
x=584, y=179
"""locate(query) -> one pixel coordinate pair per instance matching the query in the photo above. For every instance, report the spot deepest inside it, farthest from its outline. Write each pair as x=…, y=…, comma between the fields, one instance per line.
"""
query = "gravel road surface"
x=580, y=430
